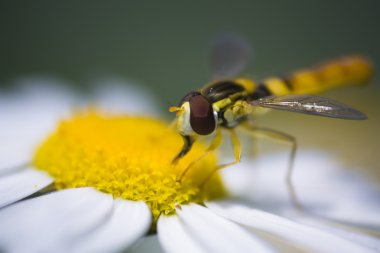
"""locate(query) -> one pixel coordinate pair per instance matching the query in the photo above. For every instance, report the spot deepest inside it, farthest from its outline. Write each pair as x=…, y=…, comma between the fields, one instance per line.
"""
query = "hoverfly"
x=229, y=102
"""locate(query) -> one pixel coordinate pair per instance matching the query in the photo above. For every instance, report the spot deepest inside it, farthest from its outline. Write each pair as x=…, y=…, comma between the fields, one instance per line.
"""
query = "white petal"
x=354, y=214
x=148, y=244
x=313, y=239
x=323, y=185
x=118, y=95
x=129, y=221
x=212, y=233
x=263, y=180
x=28, y=114
x=54, y=222
x=351, y=233
x=174, y=237
x=20, y=184
x=33, y=109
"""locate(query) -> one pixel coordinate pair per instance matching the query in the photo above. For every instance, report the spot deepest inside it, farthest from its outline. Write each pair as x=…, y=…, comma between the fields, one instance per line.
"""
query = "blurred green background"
x=164, y=45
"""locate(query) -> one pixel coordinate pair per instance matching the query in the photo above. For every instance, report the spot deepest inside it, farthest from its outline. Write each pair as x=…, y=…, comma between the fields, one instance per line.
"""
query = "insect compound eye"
x=188, y=97
x=202, y=118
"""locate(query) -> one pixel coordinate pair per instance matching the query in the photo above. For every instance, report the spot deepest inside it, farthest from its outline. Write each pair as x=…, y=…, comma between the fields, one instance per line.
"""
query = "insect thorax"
x=228, y=100
x=234, y=114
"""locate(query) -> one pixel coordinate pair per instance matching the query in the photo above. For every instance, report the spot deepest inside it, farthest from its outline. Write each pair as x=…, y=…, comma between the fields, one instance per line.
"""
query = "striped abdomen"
x=349, y=70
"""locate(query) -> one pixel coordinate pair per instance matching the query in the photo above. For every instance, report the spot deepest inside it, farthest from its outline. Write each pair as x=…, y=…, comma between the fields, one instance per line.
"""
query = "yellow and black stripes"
x=350, y=70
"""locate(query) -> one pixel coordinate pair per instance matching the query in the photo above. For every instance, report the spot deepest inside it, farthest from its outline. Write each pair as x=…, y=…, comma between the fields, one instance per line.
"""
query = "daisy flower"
x=113, y=184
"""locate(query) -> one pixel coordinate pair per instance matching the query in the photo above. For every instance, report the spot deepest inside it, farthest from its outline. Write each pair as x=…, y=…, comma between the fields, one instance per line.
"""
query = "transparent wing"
x=313, y=105
x=229, y=56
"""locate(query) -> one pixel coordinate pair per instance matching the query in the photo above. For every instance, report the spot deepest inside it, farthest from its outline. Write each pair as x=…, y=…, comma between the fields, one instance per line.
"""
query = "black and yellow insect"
x=229, y=102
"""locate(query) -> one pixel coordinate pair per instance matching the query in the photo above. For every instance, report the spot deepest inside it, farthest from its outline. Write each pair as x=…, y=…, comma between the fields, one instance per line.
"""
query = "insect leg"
x=214, y=145
x=274, y=134
x=237, y=154
x=188, y=142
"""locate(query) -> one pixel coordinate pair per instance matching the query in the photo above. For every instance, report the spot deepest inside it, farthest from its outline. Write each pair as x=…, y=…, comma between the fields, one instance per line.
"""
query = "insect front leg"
x=188, y=142
x=214, y=145
x=237, y=155
x=277, y=135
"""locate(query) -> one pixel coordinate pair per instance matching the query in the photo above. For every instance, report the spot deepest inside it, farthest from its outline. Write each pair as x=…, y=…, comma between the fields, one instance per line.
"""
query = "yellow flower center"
x=128, y=157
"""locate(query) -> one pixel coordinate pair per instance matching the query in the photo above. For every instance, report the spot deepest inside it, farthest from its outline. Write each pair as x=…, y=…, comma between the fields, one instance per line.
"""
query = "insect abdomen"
x=343, y=71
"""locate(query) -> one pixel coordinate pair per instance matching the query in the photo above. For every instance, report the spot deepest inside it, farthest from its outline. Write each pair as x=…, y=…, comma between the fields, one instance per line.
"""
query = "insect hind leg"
x=274, y=134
